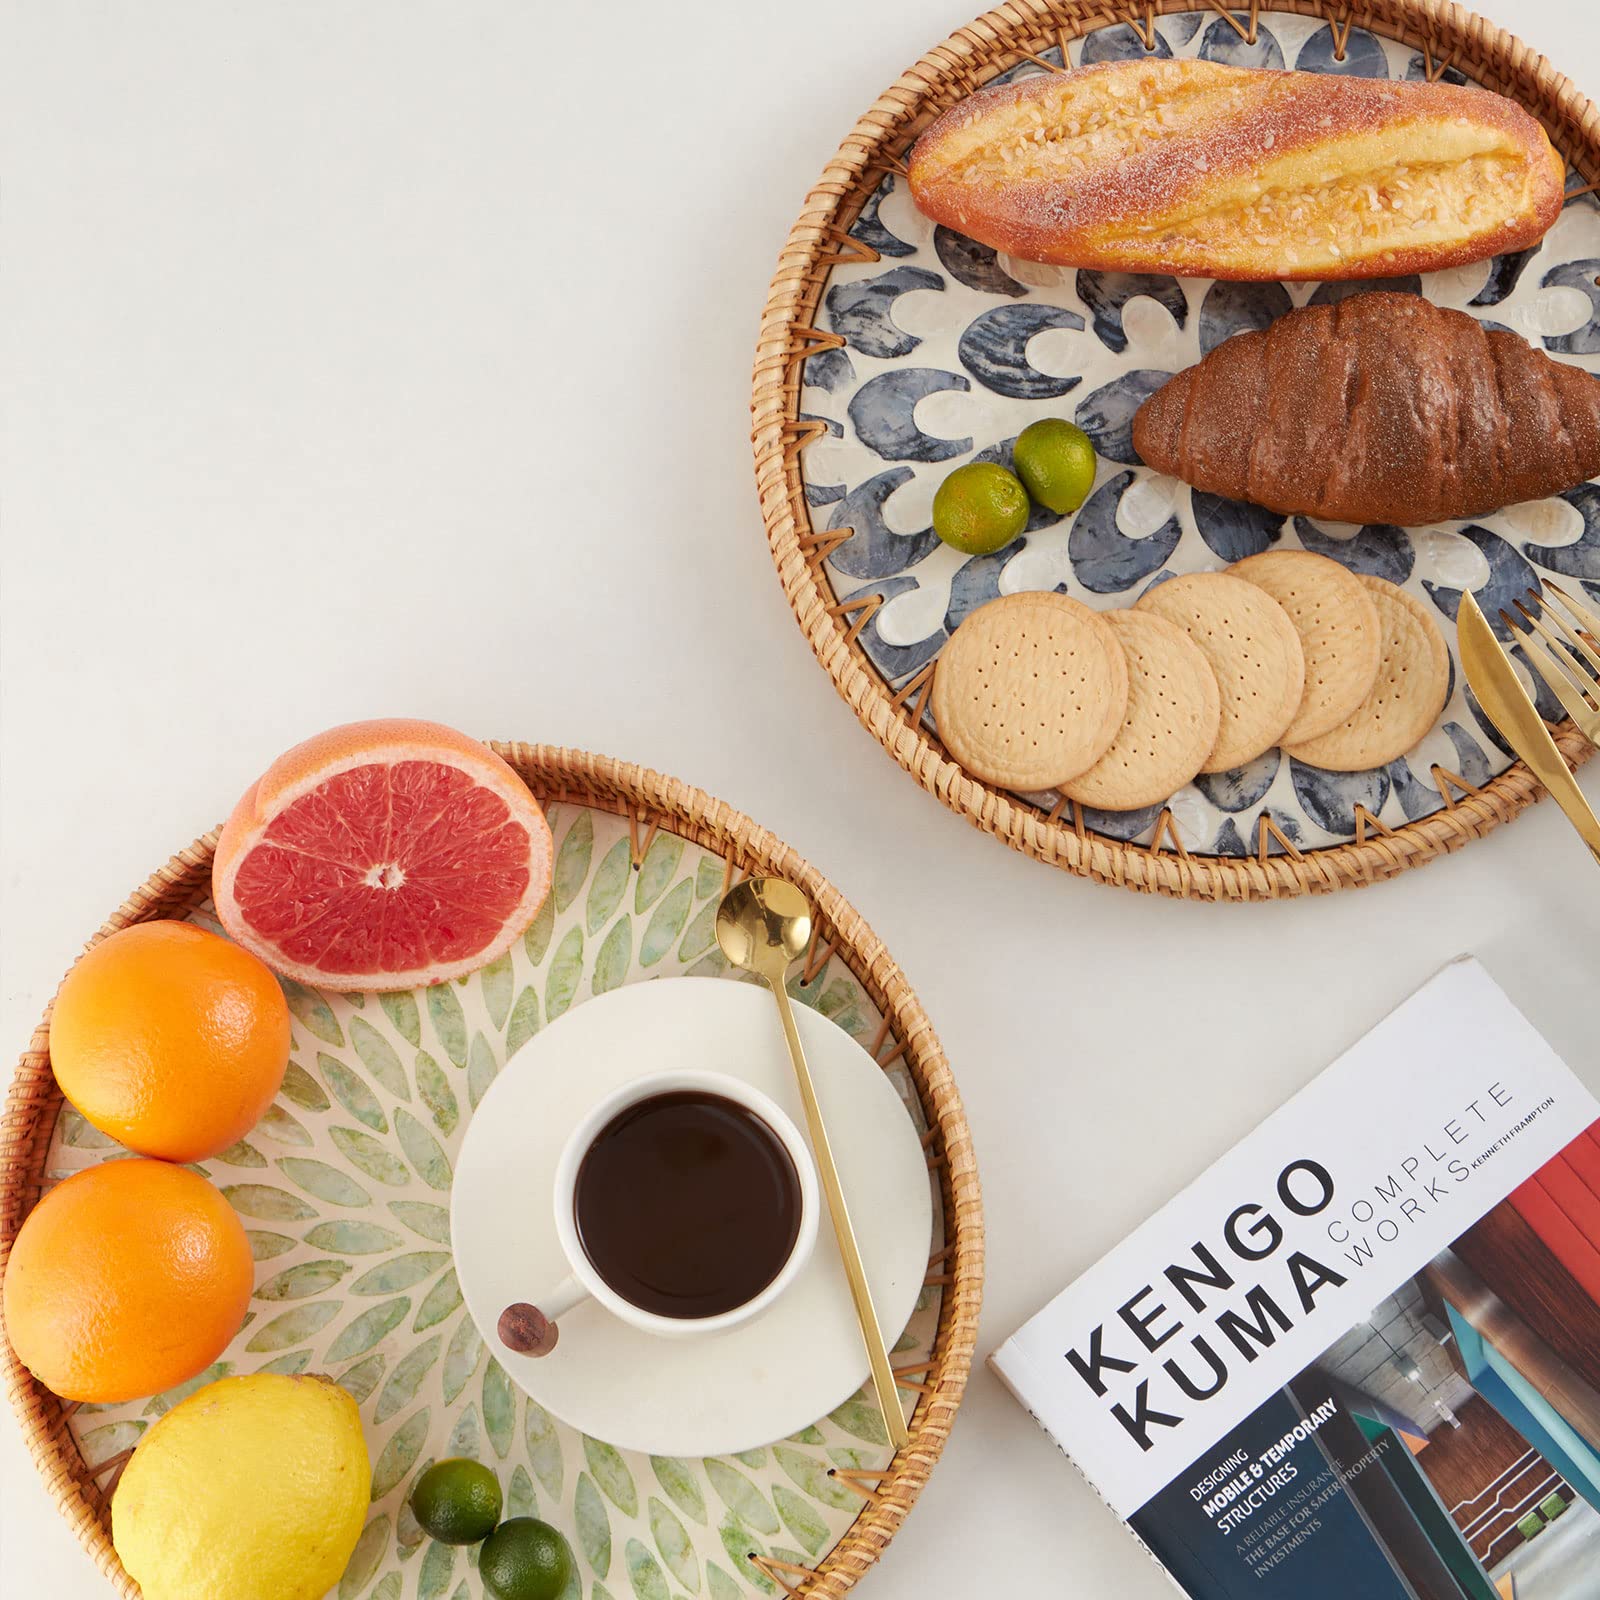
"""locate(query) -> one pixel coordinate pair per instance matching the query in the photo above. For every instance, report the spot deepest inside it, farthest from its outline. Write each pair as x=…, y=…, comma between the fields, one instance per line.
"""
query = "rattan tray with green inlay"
x=345, y=1186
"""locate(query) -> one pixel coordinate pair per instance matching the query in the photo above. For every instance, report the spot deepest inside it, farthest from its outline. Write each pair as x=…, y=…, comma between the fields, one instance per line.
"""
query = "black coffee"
x=687, y=1204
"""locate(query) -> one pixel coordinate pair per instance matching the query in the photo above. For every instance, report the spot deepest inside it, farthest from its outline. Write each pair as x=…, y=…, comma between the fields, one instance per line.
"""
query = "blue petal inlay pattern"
x=882, y=410
x=1231, y=308
x=1582, y=276
x=994, y=349
x=1179, y=27
x=1363, y=55
x=973, y=264
x=1418, y=71
x=828, y=369
x=1581, y=558
x=870, y=231
x=1119, y=43
x=1243, y=787
x=823, y=494
x=1510, y=579
x=1379, y=550
x=1124, y=825
x=1505, y=273
x=1330, y=294
x=1029, y=69
x=863, y=312
x=1232, y=529
x=1471, y=763
x=1417, y=798
x=1287, y=825
x=978, y=582
x=1104, y=294
x=1228, y=842
x=1107, y=414
x=1224, y=44
x=967, y=348
x=1330, y=798
x=1104, y=559
x=895, y=661
x=875, y=551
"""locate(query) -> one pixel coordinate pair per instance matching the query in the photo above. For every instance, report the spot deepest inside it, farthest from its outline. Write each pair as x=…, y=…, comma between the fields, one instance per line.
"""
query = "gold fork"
x=1571, y=664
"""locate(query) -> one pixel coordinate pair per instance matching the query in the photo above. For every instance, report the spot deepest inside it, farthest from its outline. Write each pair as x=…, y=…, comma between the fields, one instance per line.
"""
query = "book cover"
x=1360, y=1356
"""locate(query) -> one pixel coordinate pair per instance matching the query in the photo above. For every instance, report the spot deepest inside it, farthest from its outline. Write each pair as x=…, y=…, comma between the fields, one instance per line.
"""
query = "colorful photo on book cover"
x=1444, y=1447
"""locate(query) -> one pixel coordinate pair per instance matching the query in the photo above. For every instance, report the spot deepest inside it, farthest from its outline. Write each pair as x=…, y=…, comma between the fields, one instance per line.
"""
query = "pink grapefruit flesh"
x=383, y=856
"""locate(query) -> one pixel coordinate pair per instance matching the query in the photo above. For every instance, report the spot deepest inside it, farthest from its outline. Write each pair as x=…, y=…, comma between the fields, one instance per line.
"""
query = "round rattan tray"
x=627, y=833
x=832, y=232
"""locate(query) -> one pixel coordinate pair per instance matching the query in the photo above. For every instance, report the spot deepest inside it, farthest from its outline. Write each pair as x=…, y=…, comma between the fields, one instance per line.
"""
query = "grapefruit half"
x=382, y=855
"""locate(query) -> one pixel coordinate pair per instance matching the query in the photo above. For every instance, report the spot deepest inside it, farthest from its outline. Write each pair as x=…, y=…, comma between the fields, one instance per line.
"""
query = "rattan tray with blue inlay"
x=892, y=351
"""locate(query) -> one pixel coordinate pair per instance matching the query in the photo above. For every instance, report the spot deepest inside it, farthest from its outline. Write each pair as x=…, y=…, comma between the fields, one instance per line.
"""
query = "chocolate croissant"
x=1382, y=408
x=1202, y=170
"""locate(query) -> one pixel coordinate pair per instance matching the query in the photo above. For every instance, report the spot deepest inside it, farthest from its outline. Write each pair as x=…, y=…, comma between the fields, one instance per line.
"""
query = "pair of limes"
x=981, y=507
x=458, y=1502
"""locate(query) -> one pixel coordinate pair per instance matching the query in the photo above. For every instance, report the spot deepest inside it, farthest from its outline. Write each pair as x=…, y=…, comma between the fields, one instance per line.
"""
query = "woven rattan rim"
x=650, y=801
x=1447, y=36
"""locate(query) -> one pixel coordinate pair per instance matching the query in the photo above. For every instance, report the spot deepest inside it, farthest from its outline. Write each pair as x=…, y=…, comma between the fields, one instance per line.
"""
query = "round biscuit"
x=1030, y=690
x=1405, y=701
x=1174, y=710
x=1337, y=621
x=1253, y=649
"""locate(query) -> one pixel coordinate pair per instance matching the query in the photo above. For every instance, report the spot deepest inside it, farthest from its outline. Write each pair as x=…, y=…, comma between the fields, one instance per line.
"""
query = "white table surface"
x=384, y=357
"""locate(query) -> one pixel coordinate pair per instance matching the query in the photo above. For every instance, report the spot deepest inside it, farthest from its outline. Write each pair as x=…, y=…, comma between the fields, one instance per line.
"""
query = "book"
x=1359, y=1356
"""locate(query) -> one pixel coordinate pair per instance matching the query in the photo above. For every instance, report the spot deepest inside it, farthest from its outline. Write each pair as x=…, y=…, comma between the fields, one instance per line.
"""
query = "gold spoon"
x=763, y=925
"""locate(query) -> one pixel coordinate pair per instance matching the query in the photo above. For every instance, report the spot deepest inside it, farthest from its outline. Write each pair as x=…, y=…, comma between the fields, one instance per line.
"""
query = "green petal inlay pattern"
x=573, y=856
x=520, y=1499
x=379, y=1056
x=449, y=1022
x=300, y=1087
x=344, y=1188
x=611, y=1475
x=496, y=980
x=657, y=870
x=605, y=891
x=372, y=1156
x=404, y=1018
x=351, y=1091
x=594, y=1525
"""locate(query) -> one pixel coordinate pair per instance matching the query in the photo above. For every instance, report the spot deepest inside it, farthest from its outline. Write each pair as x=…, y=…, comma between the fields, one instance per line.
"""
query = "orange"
x=125, y=1280
x=382, y=855
x=170, y=1039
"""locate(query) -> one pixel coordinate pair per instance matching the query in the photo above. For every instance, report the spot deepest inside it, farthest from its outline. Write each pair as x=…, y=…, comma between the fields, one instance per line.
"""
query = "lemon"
x=253, y=1488
x=1056, y=462
x=457, y=1501
x=980, y=508
x=525, y=1559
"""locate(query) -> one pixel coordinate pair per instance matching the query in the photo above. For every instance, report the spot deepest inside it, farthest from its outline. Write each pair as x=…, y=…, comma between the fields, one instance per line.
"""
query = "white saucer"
x=754, y=1384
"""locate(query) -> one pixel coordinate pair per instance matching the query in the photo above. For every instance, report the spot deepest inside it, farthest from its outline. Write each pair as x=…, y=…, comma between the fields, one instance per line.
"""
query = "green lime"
x=980, y=508
x=525, y=1559
x=456, y=1501
x=1056, y=461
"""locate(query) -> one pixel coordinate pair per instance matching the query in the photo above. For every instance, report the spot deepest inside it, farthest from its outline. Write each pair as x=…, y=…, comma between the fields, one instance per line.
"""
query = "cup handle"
x=531, y=1330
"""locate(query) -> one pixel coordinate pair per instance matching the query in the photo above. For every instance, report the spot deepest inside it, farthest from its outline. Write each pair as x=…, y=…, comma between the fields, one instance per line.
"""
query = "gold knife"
x=1506, y=703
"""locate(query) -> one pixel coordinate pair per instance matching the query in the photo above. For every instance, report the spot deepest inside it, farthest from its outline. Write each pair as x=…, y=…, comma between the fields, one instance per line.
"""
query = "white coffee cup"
x=585, y=1283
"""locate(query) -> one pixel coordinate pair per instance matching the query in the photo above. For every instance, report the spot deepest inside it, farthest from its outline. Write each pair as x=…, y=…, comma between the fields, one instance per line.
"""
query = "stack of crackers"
x=1119, y=710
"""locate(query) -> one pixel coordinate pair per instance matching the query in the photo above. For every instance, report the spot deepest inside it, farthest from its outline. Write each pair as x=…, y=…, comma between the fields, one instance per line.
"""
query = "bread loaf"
x=1382, y=408
x=1203, y=170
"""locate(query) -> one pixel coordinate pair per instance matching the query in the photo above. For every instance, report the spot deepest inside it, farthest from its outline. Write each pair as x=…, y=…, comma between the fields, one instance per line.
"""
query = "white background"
x=384, y=357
